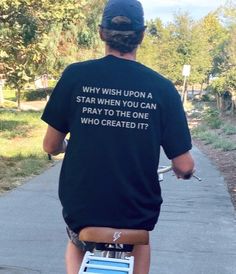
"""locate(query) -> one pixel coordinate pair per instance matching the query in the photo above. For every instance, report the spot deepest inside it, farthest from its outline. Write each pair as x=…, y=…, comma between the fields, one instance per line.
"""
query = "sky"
x=165, y=9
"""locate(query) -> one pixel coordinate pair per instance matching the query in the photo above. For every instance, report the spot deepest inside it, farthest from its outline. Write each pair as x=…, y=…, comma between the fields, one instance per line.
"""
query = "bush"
x=206, y=98
x=229, y=129
x=207, y=137
x=212, y=117
x=37, y=94
x=224, y=145
x=52, y=83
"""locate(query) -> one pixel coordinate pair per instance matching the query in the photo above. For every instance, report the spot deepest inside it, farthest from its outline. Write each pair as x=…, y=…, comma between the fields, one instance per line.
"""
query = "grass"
x=21, y=154
x=9, y=99
x=14, y=170
x=9, y=94
x=210, y=137
x=18, y=124
x=211, y=116
x=214, y=131
x=224, y=145
x=207, y=137
x=229, y=129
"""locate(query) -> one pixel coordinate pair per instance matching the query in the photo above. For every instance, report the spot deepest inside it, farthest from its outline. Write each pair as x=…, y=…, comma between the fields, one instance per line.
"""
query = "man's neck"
x=128, y=56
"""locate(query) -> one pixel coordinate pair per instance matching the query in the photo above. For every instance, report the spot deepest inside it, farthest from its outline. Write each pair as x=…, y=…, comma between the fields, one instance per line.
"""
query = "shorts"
x=74, y=238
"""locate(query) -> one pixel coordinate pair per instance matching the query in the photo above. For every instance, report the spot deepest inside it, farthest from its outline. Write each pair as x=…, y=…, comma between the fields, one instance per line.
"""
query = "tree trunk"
x=218, y=101
x=18, y=98
x=201, y=90
x=233, y=103
x=1, y=95
x=221, y=104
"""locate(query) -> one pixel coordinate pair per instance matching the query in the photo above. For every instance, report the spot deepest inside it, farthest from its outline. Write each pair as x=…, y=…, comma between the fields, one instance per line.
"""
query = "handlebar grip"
x=187, y=176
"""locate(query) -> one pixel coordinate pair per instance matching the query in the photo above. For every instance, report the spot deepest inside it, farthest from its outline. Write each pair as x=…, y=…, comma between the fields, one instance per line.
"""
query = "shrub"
x=37, y=94
x=229, y=129
x=207, y=137
x=212, y=117
x=198, y=130
x=224, y=145
x=206, y=98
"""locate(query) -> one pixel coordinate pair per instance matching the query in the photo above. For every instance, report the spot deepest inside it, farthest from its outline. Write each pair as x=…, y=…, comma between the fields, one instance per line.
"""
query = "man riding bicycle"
x=118, y=113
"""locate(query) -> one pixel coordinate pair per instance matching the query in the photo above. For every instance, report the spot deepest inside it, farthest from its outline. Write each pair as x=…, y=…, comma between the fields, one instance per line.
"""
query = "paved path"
x=196, y=233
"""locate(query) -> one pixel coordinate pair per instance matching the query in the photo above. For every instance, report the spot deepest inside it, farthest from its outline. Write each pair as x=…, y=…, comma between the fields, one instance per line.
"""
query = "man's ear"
x=141, y=38
x=101, y=34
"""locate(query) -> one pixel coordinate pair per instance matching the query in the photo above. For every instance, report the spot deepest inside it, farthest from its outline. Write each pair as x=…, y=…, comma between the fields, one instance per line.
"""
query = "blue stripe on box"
x=106, y=263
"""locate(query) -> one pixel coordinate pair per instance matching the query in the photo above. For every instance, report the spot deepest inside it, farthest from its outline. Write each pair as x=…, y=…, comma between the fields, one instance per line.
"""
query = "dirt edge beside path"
x=225, y=162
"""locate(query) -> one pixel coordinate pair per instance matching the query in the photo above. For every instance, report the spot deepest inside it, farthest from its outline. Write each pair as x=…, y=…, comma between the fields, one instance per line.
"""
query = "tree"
x=159, y=49
x=225, y=56
x=150, y=47
x=231, y=50
x=201, y=60
x=216, y=35
x=23, y=26
x=26, y=32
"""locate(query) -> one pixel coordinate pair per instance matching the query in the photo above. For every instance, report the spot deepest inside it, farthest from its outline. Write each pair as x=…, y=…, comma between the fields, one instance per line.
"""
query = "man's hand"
x=183, y=166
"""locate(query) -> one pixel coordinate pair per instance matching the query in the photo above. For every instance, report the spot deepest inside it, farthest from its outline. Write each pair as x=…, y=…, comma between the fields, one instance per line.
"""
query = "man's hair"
x=122, y=41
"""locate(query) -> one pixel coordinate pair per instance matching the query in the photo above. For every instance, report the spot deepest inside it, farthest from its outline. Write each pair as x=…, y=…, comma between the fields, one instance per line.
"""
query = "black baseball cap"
x=130, y=9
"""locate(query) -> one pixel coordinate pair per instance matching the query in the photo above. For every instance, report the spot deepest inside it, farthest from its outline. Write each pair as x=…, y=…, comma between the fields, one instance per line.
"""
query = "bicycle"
x=110, y=248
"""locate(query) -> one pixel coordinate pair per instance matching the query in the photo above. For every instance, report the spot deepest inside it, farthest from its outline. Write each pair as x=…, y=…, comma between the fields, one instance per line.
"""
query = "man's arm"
x=183, y=166
x=54, y=141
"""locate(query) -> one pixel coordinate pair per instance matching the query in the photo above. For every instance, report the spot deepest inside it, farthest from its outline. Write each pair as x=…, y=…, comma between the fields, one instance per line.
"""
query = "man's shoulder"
x=154, y=74
x=155, y=77
x=79, y=68
x=79, y=65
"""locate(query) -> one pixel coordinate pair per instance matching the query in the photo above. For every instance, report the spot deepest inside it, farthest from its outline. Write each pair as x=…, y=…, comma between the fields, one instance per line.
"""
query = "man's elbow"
x=50, y=148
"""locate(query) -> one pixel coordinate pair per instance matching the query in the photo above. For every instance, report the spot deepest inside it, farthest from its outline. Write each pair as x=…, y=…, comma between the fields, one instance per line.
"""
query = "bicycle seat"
x=114, y=236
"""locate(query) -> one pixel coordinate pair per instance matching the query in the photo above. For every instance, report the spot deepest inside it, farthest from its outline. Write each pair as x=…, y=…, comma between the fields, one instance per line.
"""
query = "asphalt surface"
x=196, y=232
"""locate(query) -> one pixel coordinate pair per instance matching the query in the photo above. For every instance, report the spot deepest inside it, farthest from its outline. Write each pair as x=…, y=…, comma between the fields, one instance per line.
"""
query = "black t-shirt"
x=118, y=113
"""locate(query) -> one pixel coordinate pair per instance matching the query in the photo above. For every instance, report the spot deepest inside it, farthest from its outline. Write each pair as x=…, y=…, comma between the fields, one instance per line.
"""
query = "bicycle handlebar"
x=165, y=169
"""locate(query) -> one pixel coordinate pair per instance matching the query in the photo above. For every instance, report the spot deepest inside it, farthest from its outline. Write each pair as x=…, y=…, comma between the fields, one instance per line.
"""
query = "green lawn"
x=9, y=94
x=21, y=153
